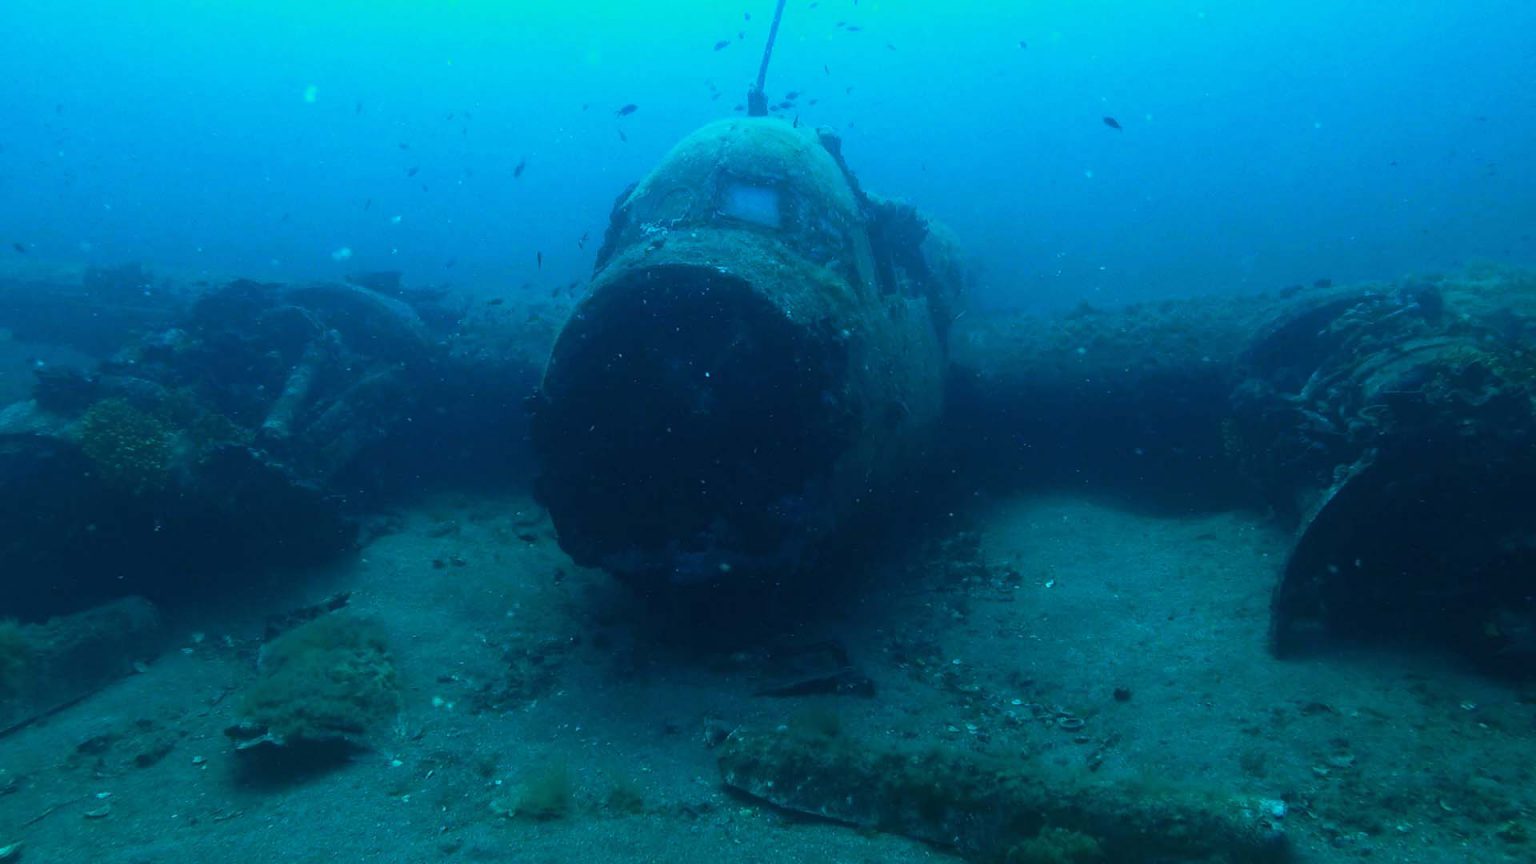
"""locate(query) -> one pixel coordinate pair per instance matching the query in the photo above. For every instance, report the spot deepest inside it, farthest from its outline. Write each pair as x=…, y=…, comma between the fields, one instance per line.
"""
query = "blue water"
x=1263, y=143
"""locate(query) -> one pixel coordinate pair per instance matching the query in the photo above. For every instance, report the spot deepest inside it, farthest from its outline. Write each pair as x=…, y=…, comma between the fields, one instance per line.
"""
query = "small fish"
x=1023, y=44
x=581, y=242
x=738, y=108
x=792, y=95
x=722, y=44
x=1112, y=123
x=890, y=47
x=623, y=137
x=746, y=16
x=357, y=108
x=413, y=171
x=796, y=124
x=853, y=28
x=827, y=70
x=517, y=171
x=539, y=260
x=450, y=262
x=20, y=247
x=1322, y=283
x=368, y=205
x=627, y=110
x=495, y=301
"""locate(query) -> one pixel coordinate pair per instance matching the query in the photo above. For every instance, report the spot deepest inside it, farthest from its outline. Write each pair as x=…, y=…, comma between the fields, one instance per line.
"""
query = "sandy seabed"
x=1146, y=628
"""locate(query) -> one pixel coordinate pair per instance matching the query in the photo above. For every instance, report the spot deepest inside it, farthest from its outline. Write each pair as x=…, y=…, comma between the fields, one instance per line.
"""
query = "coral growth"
x=130, y=447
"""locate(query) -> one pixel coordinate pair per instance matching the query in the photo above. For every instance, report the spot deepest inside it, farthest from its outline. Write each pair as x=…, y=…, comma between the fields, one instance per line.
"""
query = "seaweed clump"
x=329, y=679
x=130, y=447
x=1057, y=846
x=15, y=659
x=545, y=794
x=625, y=797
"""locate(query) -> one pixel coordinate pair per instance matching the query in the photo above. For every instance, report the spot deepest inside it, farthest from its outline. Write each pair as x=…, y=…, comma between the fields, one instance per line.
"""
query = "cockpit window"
x=753, y=203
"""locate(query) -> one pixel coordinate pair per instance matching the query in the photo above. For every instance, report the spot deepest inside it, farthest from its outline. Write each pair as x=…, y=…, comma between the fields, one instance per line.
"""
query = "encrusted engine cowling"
x=1399, y=424
x=760, y=356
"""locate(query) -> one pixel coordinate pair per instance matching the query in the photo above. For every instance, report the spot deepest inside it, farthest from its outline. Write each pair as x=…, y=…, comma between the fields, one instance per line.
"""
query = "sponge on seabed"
x=329, y=678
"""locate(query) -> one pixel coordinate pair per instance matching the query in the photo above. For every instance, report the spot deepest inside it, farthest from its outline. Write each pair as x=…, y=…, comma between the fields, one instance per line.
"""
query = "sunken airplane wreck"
x=764, y=357
x=761, y=354
x=767, y=354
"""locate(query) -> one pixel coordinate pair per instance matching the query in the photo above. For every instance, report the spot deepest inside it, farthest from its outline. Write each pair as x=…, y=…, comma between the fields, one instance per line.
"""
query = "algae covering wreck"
x=991, y=810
